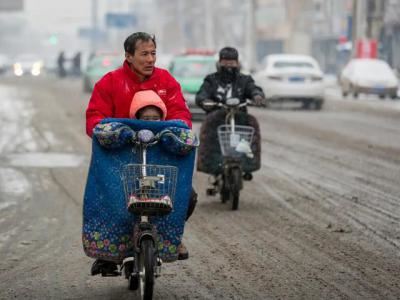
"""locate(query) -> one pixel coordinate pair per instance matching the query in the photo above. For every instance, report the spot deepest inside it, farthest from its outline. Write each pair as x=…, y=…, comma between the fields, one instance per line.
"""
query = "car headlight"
x=35, y=71
x=316, y=78
x=18, y=71
x=274, y=77
x=36, y=68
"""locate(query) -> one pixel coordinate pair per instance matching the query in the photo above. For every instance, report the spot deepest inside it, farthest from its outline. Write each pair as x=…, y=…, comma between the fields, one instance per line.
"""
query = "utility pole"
x=250, y=34
x=159, y=26
x=358, y=23
x=182, y=22
x=298, y=40
x=94, y=29
x=374, y=16
x=209, y=25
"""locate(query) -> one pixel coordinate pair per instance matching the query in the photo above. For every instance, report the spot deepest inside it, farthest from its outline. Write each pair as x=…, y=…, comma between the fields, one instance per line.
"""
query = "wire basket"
x=149, y=189
x=237, y=142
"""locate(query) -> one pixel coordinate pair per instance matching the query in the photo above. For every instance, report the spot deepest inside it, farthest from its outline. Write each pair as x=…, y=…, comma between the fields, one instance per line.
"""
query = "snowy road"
x=320, y=220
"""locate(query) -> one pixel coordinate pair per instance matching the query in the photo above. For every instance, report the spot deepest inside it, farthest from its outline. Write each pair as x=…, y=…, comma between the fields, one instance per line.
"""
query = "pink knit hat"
x=145, y=98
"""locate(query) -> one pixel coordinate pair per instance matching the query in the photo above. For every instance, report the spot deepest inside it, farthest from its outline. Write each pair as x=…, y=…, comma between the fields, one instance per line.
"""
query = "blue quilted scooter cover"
x=107, y=224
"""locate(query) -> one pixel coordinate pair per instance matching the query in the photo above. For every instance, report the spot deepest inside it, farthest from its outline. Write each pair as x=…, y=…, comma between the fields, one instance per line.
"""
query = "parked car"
x=368, y=76
x=189, y=70
x=98, y=65
x=27, y=64
x=290, y=77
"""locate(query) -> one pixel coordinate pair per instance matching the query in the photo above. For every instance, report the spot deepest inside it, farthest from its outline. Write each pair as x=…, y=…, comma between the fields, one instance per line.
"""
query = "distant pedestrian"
x=61, y=65
x=76, y=64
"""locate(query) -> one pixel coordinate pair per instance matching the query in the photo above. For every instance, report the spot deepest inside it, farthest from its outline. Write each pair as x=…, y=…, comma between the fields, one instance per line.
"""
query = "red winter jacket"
x=112, y=96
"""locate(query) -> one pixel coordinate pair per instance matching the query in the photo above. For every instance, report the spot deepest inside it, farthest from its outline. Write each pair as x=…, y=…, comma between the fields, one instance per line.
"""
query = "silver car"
x=368, y=76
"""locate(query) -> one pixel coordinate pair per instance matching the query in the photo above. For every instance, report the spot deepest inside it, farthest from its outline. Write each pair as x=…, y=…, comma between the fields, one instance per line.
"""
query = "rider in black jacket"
x=228, y=82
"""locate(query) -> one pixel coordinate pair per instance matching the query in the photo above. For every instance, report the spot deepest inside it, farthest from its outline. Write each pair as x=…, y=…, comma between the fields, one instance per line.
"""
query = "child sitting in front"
x=147, y=105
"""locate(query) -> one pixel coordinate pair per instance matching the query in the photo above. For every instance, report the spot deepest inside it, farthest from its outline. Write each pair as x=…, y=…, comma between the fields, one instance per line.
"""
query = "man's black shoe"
x=105, y=268
x=183, y=253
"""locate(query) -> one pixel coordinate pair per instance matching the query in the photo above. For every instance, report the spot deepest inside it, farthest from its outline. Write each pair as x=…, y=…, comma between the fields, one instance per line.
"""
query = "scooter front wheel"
x=236, y=185
x=235, y=200
x=224, y=189
x=224, y=193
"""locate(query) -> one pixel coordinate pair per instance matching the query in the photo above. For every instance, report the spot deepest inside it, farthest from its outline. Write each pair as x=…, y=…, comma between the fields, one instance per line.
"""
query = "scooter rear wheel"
x=146, y=269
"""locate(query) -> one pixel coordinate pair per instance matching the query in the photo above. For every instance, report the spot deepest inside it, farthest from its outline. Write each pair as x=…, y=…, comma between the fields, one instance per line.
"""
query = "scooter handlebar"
x=209, y=104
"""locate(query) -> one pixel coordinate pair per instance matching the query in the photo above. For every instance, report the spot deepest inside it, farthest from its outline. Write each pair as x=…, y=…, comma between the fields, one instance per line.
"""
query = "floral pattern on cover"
x=107, y=225
x=179, y=140
x=173, y=139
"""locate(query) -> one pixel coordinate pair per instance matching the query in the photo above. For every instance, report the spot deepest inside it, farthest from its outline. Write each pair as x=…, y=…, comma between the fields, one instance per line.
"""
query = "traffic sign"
x=91, y=33
x=11, y=5
x=120, y=20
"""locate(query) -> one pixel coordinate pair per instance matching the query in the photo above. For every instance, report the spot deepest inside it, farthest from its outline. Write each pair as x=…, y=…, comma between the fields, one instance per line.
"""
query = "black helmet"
x=228, y=53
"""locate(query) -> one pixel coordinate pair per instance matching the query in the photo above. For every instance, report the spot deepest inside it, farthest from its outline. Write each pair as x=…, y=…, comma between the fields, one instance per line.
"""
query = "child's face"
x=150, y=114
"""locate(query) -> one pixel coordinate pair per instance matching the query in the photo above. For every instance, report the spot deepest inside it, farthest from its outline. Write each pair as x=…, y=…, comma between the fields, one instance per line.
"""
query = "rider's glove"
x=207, y=108
x=180, y=141
x=259, y=100
x=113, y=135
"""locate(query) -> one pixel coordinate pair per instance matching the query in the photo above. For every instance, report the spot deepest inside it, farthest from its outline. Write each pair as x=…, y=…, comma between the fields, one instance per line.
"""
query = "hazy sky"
x=65, y=18
x=53, y=15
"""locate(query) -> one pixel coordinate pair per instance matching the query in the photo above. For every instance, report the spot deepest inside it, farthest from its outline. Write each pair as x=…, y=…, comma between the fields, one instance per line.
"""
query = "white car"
x=368, y=76
x=289, y=77
x=28, y=64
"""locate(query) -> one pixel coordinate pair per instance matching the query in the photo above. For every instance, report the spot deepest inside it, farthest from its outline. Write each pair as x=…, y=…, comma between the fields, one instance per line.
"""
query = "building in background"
x=321, y=28
x=390, y=35
x=313, y=27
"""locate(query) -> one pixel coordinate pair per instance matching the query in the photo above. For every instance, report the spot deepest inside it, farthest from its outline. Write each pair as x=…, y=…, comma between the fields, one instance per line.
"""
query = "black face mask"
x=228, y=74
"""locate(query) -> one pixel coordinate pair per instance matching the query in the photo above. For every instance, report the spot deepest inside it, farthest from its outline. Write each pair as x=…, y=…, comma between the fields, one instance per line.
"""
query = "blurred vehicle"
x=27, y=64
x=163, y=60
x=97, y=66
x=368, y=76
x=289, y=77
x=5, y=63
x=189, y=70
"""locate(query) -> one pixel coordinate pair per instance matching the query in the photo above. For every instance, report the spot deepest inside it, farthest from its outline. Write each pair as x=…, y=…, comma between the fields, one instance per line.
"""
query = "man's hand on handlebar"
x=208, y=105
x=259, y=101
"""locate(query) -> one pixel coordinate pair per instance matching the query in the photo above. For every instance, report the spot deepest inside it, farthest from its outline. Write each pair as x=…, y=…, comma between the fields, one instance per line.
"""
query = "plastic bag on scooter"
x=209, y=158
